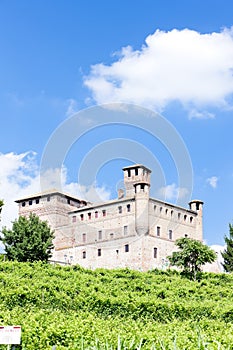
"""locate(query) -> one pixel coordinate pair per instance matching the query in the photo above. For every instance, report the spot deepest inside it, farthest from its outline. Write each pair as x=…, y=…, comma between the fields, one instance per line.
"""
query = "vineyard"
x=74, y=308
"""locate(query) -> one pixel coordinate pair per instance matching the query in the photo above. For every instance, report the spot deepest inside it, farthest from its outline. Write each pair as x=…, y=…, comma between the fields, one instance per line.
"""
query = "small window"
x=129, y=174
x=37, y=201
x=170, y=234
x=48, y=199
x=154, y=207
x=136, y=171
x=191, y=219
x=99, y=252
x=155, y=252
x=96, y=214
x=142, y=186
x=120, y=210
x=126, y=248
x=30, y=202
x=125, y=230
x=89, y=216
x=111, y=235
x=197, y=206
x=104, y=212
x=172, y=213
x=185, y=217
x=23, y=204
x=128, y=208
x=68, y=201
x=186, y=235
x=84, y=237
x=81, y=217
x=158, y=231
x=166, y=211
x=160, y=209
x=99, y=235
x=84, y=254
x=74, y=218
x=178, y=216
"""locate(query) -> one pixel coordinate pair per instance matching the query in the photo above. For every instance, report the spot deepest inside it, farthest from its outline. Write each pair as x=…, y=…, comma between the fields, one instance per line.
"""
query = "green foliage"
x=1, y=205
x=228, y=252
x=74, y=308
x=191, y=256
x=29, y=240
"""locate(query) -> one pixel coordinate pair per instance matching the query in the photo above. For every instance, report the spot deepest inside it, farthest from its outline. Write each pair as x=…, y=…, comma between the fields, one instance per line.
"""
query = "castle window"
x=129, y=174
x=84, y=237
x=125, y=230
x=142, y=186
x=158, y=231
x=99, y=252
x=81, y=217
x=166, y=211
x=191, y=219
x=68, y=201
x=37, y=201
x=99, y=235
x=89, y=216
x=170, y=234
x=120, y=210
x=136, y=172
x=104, y=212
x=96, y=214
x=178, y=216
x=74, y=218
x=23, y=204
x=126, y=248
x=172, y=213
x=48, y=199
x=186, y=235
x=154, y=207
x=84, y=254
x=111, y=235
x=128, y=208
x=197, y=206
x=30, y=202
x=160, y=209
x=185, y=217
x=155, y=252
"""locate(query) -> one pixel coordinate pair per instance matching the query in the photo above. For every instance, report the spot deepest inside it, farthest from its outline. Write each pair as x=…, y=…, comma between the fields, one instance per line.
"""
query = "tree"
x=29, y=240
x=1, y=205
x=228, y=252
x=191, y=256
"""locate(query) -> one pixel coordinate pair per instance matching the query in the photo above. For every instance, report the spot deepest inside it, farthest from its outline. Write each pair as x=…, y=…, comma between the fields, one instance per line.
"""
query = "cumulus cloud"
x=213, y=181
x=180, y=65
x=20, y=177
x=172, y=192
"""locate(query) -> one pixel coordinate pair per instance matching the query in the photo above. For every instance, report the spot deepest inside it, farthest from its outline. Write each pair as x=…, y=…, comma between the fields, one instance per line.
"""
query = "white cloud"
x=193, y=113
x=213, y=181
x=72, y=107
x=172, y=192
x=20, y=176
x=180, y=65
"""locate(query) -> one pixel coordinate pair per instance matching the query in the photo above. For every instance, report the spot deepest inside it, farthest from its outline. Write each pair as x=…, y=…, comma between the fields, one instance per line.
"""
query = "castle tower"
x=137, y=184
x=134, y=174
x=197, y=206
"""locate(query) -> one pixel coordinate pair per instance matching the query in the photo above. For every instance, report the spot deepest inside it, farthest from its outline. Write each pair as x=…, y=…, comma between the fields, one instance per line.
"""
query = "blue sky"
x=172, y=58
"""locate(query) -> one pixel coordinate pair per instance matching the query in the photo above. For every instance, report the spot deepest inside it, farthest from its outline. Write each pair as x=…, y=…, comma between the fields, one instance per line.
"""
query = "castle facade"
x=134, y=230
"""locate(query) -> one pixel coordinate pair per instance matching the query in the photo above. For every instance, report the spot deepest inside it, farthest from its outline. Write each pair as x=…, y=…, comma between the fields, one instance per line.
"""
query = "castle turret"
x=197, y=206
x=134, y=174
x=137, y=184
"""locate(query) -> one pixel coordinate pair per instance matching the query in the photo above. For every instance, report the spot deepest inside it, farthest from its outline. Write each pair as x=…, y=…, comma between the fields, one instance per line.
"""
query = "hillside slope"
x=74, y=308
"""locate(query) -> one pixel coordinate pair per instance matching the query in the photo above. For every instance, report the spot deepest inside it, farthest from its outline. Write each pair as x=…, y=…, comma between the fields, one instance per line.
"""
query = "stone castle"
x=134, y=230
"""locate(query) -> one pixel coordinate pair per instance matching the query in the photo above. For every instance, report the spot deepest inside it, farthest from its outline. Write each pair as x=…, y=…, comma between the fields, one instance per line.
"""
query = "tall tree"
x=228, y=252
x=29, y=240
x=191, y=256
